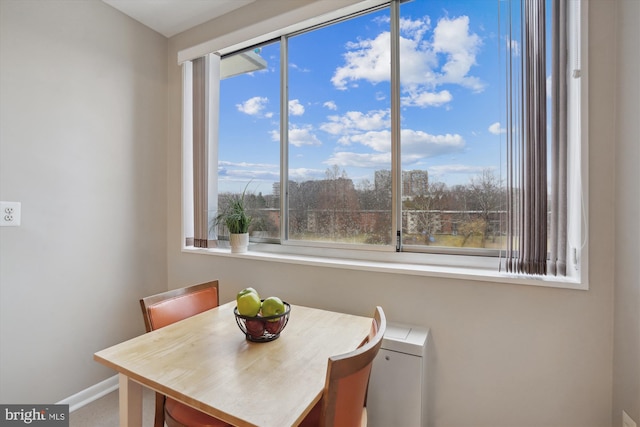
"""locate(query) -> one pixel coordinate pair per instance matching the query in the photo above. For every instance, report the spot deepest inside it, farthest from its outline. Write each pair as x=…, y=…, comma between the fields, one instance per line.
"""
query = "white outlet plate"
x=627, y=421
x=10, y=214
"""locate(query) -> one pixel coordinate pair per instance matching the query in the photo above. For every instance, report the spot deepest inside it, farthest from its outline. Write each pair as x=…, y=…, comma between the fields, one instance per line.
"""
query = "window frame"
x=472, y=264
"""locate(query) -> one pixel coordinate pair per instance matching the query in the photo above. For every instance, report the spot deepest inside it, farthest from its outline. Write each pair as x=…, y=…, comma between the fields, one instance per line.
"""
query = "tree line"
x=336, y=209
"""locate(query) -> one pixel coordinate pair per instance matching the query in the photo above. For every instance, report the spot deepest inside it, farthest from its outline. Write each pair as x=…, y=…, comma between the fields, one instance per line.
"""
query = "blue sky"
x=339, y=99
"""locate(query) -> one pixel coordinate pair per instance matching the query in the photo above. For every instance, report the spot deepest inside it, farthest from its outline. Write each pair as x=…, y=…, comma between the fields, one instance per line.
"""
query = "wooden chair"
x=344, y=399
x=164, y=309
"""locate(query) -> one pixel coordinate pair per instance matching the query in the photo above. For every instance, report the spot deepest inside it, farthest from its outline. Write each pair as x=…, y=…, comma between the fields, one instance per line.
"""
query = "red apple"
x=255, y=327
x=273, y=326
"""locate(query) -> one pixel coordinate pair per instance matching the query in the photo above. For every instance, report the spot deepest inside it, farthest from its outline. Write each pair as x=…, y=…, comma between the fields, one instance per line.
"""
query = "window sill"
x=480, y=269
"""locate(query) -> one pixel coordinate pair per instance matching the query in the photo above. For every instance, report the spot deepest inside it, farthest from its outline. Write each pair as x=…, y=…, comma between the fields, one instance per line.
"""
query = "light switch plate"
x=10, y=214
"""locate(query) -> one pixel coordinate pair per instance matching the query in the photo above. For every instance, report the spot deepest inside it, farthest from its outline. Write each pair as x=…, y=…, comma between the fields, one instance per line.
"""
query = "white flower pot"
x=239, y=243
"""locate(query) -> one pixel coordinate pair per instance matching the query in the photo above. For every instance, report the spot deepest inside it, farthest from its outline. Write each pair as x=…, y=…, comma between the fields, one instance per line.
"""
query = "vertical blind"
x=203, y=122
x=536, y=237
x=200, y=155
x=558, y=242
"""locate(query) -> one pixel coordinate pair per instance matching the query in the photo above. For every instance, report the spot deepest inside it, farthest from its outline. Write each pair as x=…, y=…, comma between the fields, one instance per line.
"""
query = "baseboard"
x=90, y=394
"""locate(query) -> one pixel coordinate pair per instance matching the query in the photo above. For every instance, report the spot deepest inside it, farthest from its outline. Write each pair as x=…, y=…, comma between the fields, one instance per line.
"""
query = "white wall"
x=626, y=362
x=503, y=355
x=82, y=146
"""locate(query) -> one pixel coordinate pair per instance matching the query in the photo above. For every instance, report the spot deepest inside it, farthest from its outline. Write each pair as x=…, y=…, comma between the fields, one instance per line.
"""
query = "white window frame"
x=467, y=266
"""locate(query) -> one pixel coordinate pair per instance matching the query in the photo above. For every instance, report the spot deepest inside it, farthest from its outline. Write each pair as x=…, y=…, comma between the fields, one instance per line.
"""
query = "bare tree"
x=339, y=204
x=475, y=227
x=486, y=196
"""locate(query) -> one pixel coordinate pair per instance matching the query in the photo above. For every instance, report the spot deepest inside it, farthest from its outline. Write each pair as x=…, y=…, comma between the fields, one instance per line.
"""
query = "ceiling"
x=170, y=17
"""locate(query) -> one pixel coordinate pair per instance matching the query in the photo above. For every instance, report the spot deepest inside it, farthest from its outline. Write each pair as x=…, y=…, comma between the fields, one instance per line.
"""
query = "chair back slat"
x=169, y=307
x=348, y=379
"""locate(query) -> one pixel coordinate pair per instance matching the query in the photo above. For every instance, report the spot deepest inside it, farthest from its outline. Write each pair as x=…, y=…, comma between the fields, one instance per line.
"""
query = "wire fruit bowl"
x=263, y=328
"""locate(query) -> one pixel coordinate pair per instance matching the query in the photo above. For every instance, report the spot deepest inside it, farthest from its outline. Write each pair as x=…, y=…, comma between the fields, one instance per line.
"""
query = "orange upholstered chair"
x=344, y=399
x=164, y=309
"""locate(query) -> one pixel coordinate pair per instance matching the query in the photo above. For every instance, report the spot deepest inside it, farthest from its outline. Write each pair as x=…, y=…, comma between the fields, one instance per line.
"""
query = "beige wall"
x=626, y=361
x=503, y=355
x=82, y=146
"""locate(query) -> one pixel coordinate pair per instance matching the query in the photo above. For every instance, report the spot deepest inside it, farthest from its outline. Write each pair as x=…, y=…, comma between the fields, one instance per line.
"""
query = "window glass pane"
x=248, y=152
x=339, y=132
x=451, y=131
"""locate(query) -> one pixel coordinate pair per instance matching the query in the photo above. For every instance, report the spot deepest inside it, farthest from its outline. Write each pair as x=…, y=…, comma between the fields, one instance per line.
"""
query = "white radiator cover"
x=397, y=394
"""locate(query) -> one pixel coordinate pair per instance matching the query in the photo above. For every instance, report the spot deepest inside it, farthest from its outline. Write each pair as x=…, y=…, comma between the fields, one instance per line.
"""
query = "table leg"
x=130, y=396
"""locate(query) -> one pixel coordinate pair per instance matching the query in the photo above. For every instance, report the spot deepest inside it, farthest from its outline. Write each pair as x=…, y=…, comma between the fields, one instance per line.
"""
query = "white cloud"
x=330, y=105
x=379, y=141
x=295, y=108
x=417, y=142
x=515, y=47
x=298, y=136
x=456, y=169
x=365, y=59
x=296, y=67
x=225, y=164
x=426, y=98
x=452, y=38
x=356, y=121
x=497, y=129
x=414, y=142
x=415, y=29
x=427, y=63
x=253, y=106
x=416, y=146
x=419, y=61
x=305, y=174
x=362, y=160
x=371, y=130
x=244, y=171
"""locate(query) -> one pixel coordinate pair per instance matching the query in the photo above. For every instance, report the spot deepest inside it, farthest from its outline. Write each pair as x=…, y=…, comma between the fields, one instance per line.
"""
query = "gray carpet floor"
x=104, y=411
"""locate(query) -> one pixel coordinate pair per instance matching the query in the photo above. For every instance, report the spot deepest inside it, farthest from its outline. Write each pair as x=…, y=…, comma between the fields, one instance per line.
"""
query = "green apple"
x=249, y=304
x=246, y=291
x=272, y=306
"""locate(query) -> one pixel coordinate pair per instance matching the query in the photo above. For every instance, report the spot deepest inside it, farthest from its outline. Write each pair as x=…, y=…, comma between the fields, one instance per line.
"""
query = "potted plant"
x=234, y=217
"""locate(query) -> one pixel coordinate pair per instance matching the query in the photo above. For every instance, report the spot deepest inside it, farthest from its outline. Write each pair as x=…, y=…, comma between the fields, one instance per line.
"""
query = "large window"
x=386, y=130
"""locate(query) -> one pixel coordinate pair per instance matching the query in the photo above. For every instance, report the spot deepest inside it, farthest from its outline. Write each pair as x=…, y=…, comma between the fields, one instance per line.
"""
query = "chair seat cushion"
x=191, y=417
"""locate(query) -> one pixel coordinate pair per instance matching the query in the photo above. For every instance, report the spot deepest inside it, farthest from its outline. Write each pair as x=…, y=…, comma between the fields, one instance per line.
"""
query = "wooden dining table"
x=206, y=362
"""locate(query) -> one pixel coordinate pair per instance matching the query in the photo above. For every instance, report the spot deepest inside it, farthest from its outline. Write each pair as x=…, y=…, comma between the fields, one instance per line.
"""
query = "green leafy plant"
x=234, y=215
